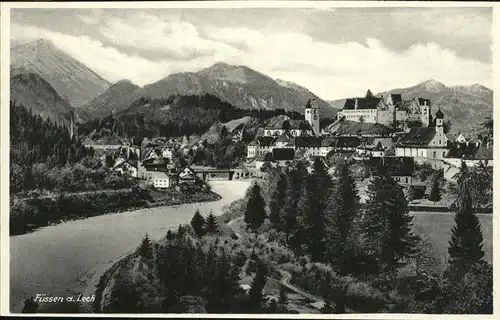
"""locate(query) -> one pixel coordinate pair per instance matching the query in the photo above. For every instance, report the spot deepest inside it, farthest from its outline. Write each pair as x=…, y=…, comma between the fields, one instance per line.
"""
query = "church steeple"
x=311, y=114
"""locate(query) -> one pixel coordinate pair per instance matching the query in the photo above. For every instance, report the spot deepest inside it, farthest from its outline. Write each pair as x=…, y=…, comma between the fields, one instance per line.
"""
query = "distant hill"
x=71, y=79
x=37, y=95
x=115, y=99
x=465, y=106
x=240, y=86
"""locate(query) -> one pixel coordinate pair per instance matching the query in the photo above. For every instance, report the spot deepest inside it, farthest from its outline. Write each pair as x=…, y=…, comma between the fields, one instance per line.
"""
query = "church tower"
x=312, y=115
x=439, y=121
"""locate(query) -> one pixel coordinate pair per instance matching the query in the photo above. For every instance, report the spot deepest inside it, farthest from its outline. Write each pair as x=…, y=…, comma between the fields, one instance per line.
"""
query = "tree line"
x=186, y=115
x=322, y=218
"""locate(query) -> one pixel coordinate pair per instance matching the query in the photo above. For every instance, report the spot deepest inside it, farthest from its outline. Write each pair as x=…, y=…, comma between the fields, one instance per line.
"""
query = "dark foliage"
x=212, y=226
x=255, y=212
x=198, y=223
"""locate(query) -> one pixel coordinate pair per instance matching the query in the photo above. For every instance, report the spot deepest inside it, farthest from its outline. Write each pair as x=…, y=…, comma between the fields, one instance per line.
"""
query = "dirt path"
x=285, y=281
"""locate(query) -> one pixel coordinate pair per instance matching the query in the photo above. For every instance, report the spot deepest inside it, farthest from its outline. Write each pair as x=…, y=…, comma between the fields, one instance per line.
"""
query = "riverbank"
x=84, y=249
x=27, y=215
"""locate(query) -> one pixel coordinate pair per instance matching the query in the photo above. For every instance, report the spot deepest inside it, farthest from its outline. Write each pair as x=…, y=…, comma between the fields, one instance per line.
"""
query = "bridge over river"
x=212, y=173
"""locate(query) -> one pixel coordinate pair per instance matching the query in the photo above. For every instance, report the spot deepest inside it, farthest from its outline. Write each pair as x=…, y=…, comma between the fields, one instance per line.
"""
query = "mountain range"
x=71, y=79
x=465, y=106
x=240, y=86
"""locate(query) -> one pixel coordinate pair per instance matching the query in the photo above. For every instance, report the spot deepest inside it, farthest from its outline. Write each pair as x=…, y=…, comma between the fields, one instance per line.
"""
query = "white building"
x=387, y=110
x=429, y=143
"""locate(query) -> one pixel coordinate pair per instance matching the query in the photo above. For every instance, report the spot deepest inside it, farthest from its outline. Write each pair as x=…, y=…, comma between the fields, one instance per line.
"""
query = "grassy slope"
x=437, y=229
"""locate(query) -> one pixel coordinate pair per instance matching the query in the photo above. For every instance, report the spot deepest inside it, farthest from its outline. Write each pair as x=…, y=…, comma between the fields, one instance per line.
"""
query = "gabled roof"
x=263, y=141
x=278, y=122
x=285, y=137
x=363, y=103
x=352, y=128
x=417, y=137
x=306, y=141
x=341, y=142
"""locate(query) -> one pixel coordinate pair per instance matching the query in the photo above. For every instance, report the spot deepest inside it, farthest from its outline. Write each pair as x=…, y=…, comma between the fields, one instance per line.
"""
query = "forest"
x=175, y=116
x=356, y=258
x=44, y=157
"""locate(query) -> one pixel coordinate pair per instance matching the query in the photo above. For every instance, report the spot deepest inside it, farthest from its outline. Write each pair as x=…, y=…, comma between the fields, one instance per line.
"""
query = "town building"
x=471, y=153
x=424, y=143
x=124, y=166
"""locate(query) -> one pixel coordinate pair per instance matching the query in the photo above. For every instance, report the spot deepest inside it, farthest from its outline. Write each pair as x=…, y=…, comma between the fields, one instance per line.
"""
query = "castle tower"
x=312, y=115
x=425, y=111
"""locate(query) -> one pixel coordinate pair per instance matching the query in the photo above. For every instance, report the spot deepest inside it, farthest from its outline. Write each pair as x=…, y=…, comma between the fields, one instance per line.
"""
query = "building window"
x=444, y=154
x=434, y=154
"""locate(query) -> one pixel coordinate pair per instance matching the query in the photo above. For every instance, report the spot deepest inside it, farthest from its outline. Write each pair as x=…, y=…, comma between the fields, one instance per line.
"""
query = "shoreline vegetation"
x=27, y=215
x=256, y=256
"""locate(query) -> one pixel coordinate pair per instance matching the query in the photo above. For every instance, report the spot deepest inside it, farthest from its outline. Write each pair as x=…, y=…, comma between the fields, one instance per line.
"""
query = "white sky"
x=335, y=53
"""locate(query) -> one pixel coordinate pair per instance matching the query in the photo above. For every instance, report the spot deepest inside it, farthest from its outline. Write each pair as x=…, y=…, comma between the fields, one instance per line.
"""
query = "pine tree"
x=212, y=225
x=277, y=202
x=256, y=294
x=386, y=223
x=255, y=212
x=435, y=194
x=295, y=179
x=342, y=218
x=283, y=301
x=466, y=245
x=145, y=249
x=198, y=223
x=312, y=210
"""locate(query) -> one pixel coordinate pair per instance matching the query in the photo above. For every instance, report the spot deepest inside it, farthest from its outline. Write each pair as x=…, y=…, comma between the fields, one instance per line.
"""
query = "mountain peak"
x=36, y=44
x=433, y=85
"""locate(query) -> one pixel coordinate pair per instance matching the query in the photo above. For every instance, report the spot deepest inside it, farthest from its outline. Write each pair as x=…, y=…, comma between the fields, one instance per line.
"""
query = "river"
x=56, y=260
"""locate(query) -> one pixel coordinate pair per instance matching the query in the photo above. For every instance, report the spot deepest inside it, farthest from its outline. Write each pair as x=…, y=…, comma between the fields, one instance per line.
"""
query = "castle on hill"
x=389, y=109
x=367, y=127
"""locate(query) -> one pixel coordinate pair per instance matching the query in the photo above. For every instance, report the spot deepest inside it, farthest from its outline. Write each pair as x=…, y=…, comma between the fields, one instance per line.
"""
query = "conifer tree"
x=435, y=194
x=198, y=223
x=295, y=179
x=386, y=223
x=145, y=249
x=256, y=294
x=212, y=225
x=282, y=301
x=342, y=218
x=466, y=245
x=312, y=210
x=277, y=202
x=255, y=212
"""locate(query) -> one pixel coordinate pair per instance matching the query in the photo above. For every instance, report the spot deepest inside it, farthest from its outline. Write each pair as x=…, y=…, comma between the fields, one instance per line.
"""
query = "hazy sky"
x=333, y=52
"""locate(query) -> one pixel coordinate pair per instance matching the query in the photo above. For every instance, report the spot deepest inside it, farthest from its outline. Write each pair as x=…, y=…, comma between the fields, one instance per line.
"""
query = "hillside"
x=35, y=94
x=70, y=78
x=116, y=98
x=239, y=86
x=465, y=106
